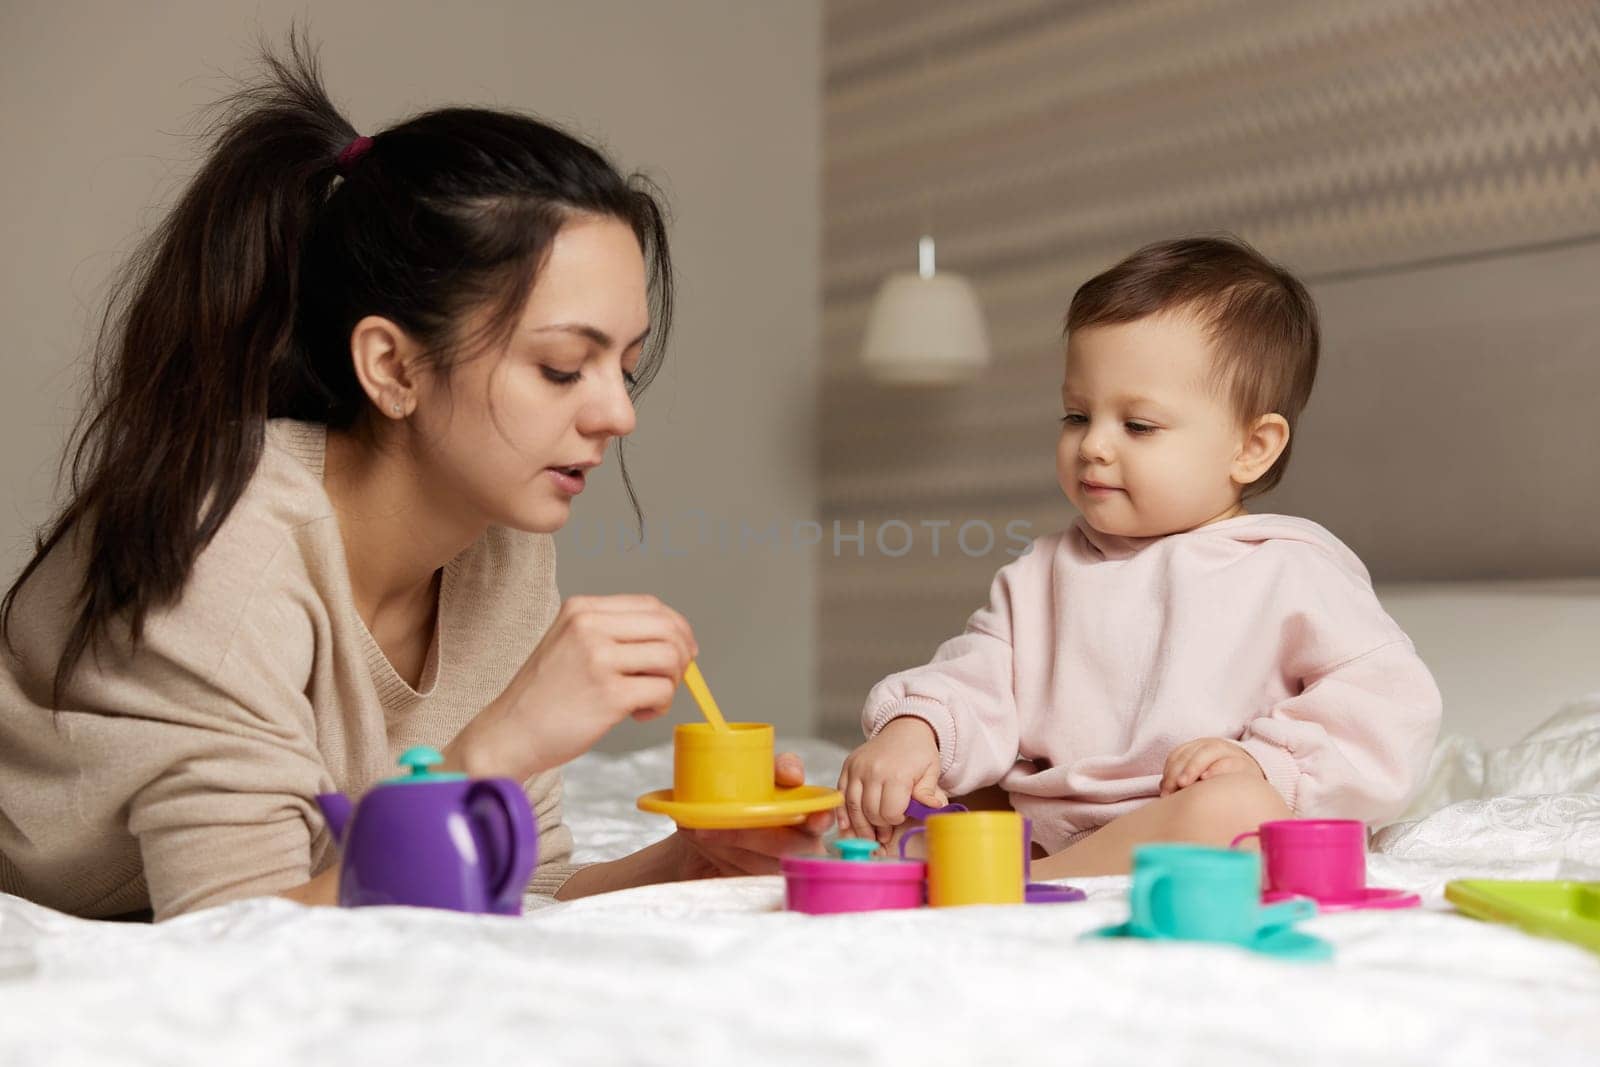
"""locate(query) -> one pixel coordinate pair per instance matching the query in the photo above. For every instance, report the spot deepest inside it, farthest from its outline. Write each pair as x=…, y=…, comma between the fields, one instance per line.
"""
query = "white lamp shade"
x=925, y=331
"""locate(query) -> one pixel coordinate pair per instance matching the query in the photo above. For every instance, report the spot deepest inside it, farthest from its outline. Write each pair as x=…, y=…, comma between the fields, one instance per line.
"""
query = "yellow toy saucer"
x=788, y=807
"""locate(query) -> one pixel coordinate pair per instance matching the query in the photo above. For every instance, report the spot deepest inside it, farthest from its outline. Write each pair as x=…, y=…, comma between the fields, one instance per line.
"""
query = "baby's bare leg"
x=1211, y=812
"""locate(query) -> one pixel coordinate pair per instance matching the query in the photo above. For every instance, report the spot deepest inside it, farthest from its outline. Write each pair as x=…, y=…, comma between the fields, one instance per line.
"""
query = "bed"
x=716, y=972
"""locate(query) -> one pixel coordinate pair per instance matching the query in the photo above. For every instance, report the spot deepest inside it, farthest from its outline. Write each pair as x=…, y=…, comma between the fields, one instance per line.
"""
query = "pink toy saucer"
x=1371, y=898
x=821, y=885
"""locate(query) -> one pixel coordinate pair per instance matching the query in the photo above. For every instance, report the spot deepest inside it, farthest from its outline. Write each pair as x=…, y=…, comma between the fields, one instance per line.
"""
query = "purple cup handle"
x=916, y=809
x=1050, y=893
x=908, y=835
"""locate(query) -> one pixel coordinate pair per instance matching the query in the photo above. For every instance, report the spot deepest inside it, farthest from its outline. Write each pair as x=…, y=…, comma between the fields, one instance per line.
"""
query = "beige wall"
x=718, y=101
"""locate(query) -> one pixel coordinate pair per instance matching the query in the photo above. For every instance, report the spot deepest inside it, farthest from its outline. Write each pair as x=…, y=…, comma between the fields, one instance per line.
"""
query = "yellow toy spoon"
x=702, y=696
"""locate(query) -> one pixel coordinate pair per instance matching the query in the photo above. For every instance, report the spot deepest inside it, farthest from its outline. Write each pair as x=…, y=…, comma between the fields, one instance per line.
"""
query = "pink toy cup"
x=1321, y=858
x=820, y=886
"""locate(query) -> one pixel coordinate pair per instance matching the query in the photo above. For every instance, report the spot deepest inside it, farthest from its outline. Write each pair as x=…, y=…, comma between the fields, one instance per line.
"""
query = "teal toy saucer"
x=1287, y=943
x=1279, y=942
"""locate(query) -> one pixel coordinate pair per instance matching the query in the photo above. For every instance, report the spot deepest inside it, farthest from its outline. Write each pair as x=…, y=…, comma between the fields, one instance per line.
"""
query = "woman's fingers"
x=616, y=604
x=818, y=823
x=645, y=695
x=624, y=628
x=752, y=851
x=727, y=857
x=662, y=658
x=788, y=770
x=602, y=660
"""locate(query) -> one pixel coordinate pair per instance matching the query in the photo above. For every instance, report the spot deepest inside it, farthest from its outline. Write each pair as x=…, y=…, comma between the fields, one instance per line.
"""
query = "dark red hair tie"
x=351, y=154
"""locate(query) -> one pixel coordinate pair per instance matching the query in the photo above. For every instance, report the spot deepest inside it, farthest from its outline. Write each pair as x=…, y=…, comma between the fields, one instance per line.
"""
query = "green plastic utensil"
x=1566, y=910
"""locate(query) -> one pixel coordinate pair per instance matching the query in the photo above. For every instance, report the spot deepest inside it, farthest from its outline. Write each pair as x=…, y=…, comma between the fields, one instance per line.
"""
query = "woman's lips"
x=568, y=480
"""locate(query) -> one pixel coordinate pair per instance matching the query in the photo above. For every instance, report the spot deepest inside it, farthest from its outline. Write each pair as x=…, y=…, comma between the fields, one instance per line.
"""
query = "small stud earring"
x=395, y=408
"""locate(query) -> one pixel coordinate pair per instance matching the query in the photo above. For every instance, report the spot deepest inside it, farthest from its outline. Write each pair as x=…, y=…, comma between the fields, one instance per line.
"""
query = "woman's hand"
x=603, y=660
x=690, y=854
x=731, y=853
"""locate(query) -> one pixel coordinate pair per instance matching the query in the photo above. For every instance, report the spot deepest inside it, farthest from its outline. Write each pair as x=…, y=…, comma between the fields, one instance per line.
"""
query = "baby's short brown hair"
x=1261, y=321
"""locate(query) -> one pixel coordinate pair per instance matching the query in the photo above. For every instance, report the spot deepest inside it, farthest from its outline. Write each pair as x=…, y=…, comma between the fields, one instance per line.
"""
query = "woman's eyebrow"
x=593, y=333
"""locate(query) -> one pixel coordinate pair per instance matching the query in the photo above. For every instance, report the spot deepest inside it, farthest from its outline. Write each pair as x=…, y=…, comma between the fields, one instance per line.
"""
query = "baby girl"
x=1170, y=667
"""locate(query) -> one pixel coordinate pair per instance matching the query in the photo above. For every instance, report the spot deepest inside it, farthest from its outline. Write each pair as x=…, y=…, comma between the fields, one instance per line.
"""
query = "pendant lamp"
x=925, y=328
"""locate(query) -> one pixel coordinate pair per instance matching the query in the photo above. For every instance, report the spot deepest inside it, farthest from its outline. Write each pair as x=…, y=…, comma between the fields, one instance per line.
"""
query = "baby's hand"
x=1206, y=757
x=880, y=778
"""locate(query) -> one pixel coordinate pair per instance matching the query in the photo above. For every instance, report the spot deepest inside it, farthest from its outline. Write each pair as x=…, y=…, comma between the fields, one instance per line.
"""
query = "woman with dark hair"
x=343, y=396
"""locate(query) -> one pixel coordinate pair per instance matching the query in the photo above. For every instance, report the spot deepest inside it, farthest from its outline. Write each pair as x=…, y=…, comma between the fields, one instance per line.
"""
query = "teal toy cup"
x=1195, y=893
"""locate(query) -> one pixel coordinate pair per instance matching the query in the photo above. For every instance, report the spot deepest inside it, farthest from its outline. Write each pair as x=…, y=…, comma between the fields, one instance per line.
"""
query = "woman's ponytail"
x=197, y=328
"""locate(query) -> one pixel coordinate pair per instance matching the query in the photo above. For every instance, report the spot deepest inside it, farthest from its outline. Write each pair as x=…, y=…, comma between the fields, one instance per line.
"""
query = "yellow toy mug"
x=711, y=766
x=974, y=857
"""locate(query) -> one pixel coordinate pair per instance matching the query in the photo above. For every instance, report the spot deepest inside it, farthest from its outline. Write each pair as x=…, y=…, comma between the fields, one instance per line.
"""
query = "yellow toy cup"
x=732, y=766
x=974, y=857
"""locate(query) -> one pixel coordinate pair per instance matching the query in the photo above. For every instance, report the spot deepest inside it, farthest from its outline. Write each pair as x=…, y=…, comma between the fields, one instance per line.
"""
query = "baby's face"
x=1146, y=448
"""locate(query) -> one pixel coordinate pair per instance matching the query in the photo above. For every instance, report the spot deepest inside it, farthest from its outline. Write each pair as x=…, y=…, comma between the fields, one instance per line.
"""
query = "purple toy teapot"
x=435, y=840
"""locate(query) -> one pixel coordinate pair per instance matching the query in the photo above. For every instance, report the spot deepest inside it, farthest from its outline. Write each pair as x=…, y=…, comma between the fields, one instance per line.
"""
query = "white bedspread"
x=716, y=972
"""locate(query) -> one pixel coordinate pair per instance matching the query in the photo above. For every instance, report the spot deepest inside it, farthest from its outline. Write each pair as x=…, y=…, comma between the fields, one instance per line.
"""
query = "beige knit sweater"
x=183, y=774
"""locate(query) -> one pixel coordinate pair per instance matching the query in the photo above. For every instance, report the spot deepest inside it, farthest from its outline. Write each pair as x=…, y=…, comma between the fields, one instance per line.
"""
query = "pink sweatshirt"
x=1098, y=655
